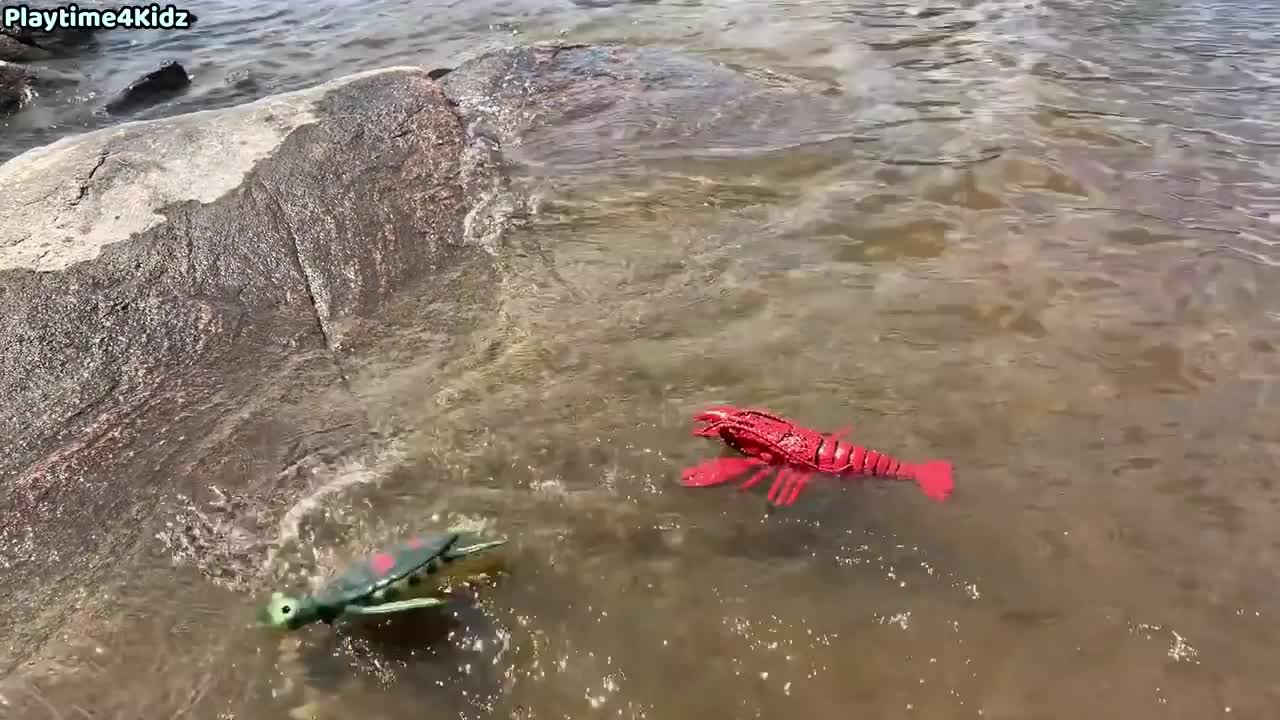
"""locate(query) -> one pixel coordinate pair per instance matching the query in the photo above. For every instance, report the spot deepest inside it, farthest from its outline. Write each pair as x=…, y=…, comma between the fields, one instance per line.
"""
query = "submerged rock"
x=154, y=87
x=578, y=103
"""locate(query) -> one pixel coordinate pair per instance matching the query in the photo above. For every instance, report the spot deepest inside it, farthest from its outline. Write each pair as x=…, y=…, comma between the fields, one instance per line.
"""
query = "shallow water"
x=1047, y=252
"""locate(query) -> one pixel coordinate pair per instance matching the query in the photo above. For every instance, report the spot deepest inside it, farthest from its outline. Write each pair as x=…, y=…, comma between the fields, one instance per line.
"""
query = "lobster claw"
x=717, y=471
x=712, y=417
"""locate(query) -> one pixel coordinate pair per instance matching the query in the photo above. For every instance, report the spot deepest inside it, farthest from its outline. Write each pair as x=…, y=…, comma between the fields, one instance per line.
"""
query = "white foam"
x=353, y=473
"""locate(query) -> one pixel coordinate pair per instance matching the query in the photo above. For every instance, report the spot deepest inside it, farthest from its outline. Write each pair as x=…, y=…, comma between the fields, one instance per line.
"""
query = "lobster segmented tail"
x=865, y=461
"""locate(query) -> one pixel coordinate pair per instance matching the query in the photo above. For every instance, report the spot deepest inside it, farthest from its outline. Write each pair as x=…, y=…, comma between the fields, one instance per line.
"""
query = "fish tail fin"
x=934, y=478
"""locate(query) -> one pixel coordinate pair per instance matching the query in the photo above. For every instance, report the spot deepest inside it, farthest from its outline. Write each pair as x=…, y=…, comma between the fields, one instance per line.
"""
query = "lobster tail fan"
x=935, y=479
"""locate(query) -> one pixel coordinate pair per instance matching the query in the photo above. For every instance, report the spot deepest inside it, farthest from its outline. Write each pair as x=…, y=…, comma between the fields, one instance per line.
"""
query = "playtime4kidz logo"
x=72, y=17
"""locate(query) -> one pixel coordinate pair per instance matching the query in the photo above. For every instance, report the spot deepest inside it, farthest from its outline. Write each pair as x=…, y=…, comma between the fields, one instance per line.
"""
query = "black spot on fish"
x=432, y=567
x=415, y=580
x=390, y=594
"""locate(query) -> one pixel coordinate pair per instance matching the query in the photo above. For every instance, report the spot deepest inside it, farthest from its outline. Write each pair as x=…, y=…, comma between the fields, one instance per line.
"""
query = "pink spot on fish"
x=382, y=563
x=416, y=543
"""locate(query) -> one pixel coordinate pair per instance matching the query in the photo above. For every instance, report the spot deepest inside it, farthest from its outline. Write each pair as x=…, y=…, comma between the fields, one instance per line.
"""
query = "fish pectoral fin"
x=459, y=552
x=395, y=607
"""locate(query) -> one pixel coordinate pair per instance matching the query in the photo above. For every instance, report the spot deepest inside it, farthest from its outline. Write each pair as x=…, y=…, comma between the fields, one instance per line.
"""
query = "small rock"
x=156, y=86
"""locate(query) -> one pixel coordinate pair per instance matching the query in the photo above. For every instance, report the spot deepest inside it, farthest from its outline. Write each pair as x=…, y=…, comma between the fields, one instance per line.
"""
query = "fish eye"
x=286, y=609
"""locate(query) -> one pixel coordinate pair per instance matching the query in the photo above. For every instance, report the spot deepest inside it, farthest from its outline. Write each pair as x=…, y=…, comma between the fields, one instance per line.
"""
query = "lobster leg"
x=787, y=494
x=783, y=480
x=802, y=479
x=756, y=478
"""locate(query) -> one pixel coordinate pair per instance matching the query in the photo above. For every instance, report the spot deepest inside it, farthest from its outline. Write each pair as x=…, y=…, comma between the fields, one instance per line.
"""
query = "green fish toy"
x=397, y=579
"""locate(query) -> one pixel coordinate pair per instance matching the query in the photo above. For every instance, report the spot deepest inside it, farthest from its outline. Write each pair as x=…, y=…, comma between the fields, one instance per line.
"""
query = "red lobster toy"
x=769, y=441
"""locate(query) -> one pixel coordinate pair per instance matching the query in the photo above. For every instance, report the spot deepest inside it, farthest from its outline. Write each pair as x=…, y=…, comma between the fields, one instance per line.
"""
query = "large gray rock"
x=129, y=248
x=186, y=301
x=155, y=277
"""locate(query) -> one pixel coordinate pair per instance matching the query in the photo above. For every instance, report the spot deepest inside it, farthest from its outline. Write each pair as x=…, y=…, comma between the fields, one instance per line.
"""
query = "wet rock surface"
x=188, y=301
x=19, y=81
x=60, y=41
x=14, y=50
x=15, y=86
